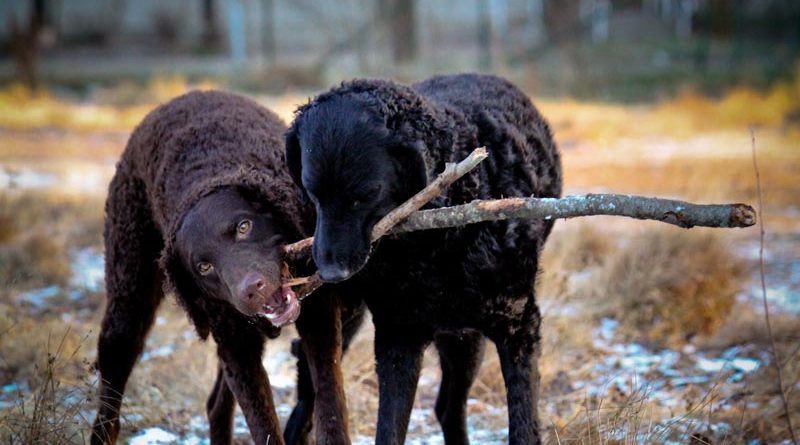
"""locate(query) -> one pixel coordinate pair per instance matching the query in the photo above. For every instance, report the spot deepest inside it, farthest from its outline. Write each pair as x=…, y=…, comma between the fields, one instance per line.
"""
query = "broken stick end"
x=743, y=215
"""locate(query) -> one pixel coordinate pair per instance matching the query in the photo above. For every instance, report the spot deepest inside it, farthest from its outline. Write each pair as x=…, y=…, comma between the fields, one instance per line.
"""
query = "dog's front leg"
x=240, y=352
x=320, y=328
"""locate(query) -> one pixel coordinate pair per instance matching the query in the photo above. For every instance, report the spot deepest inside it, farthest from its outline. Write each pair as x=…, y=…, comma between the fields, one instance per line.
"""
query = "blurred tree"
x=565, y=32
x=211, y=36
x=484, y=35
x=237, y=36
x=25, y=42
x=562, y=20
x=399, y=17
x=268, y=35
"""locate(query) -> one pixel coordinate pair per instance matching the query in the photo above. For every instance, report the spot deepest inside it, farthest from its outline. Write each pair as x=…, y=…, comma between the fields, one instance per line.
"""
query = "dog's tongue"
x=286, y=307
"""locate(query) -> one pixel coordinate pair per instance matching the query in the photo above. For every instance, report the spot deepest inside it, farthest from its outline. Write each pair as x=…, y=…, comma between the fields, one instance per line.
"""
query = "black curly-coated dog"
x=361, y=149
x=200, y=205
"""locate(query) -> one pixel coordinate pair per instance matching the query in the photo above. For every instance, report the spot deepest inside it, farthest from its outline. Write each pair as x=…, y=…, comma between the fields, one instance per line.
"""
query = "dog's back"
x=524, y=159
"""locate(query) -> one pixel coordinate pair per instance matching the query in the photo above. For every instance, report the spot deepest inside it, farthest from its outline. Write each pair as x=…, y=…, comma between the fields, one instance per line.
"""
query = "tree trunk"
x=399, y=17
x=211, y=37
x=484, y=35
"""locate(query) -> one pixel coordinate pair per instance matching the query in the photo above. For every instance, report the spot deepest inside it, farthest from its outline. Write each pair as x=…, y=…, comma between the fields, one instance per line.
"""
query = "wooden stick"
x=408, y=218
x=679, y=213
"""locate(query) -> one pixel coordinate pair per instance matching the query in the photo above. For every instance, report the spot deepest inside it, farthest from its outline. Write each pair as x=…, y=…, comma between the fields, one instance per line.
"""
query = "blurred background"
x=651, y=334
x=629, y=50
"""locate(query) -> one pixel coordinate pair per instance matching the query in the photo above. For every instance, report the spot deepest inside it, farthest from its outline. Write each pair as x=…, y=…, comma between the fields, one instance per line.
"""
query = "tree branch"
x=679, y=213
x=408, y=218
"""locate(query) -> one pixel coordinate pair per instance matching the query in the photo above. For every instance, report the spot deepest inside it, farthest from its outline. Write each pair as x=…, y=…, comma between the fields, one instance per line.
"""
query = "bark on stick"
x=680, y=213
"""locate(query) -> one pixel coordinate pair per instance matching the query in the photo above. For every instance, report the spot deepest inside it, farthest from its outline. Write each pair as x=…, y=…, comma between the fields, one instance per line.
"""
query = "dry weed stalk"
x=53, y=412
x=775, y=358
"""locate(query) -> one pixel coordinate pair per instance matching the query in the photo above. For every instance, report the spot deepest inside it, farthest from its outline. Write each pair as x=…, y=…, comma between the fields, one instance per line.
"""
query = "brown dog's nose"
x=252, y=284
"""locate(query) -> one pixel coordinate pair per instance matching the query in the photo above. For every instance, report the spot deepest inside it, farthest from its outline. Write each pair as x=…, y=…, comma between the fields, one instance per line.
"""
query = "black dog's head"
x=231, y=248
x=355, y=169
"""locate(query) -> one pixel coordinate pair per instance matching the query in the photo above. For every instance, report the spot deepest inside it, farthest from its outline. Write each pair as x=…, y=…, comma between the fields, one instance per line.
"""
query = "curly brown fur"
x=359, y=150
x=197, y=162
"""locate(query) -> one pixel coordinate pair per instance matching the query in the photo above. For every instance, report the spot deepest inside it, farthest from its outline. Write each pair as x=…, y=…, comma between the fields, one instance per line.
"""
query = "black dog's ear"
x=411, y=168
x=293, y=160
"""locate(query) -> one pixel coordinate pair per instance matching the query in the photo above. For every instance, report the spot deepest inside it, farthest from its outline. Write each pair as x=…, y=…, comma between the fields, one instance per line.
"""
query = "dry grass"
x=38, y=229
x=669, y=285
x=76, y=217
x=683, y=117
x=54, y=411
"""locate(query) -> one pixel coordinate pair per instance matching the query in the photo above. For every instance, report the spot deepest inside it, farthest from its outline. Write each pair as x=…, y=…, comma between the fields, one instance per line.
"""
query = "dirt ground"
x=651, y=334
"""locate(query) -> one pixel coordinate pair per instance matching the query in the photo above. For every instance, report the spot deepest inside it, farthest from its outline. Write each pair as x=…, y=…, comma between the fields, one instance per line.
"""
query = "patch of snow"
x=40, y=298
x=9, y=387
x=784, y=296
x=632, y=365
x=280, y=368
x=729, y=361
x=25, y=179
x=195, y=440
x=153, y=436
x=281, y=381
x=133, y=418
x=161, y=351
x=240, y=425
x=88, y=269
x=284, y=410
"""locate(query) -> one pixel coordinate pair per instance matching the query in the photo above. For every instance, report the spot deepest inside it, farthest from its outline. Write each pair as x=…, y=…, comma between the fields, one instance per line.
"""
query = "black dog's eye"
x=371, y=195
x=244, y=226
x=204, y=268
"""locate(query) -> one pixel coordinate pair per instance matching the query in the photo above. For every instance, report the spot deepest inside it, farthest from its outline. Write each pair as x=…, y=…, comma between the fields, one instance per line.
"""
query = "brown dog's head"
x=229, y=246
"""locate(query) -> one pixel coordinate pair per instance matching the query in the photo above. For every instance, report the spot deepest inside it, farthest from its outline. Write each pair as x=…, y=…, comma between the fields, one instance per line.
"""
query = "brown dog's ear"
x=293, y=160
x=179, y=282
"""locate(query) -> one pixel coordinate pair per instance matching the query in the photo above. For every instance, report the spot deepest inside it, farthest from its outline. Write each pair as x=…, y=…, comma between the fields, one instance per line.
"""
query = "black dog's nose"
x=334, y=274
x=252, y=284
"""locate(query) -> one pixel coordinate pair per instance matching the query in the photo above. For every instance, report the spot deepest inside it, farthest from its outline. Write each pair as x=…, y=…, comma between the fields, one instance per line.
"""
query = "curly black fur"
x=362, y=148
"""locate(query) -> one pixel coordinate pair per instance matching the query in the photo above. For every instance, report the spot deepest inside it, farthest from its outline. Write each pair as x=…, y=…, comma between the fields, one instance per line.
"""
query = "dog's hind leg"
x=133, y=286
x=299, y=424
x=220, y=407
x=518, y=349
x=460, y=355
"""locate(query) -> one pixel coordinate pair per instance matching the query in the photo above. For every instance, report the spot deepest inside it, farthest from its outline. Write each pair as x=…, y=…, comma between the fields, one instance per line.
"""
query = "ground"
x=651, y=334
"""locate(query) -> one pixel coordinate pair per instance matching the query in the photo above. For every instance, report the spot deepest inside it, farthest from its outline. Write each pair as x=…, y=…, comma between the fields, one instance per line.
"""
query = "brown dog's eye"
x=204, y=268
x=244, y=227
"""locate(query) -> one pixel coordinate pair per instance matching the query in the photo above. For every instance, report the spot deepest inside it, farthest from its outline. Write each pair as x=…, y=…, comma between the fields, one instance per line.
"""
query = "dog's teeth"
x=287, y=298
x=271, y=317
